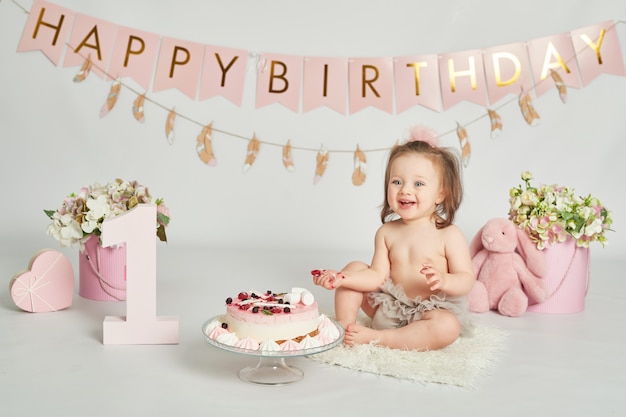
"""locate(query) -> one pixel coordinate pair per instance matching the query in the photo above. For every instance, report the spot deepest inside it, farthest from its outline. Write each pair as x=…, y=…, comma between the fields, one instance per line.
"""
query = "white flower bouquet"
x=551, y=213
x=81, y=214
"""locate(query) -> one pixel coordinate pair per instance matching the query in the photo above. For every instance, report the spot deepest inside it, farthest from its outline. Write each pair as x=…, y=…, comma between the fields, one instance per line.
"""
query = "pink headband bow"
x=423, y=134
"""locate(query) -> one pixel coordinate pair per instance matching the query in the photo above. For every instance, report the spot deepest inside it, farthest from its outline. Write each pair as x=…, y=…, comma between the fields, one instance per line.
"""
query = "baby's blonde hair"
x=451, y=182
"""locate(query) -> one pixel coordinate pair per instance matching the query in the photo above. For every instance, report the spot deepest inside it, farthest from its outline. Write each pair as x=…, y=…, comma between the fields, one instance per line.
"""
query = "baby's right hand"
x=327, y=278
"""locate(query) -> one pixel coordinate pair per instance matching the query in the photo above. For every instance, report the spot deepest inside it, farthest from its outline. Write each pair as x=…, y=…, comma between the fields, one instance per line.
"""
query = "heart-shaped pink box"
x=47, y=285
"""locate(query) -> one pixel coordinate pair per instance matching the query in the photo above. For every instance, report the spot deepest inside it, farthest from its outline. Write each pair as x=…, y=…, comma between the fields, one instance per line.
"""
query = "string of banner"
x=204, y=139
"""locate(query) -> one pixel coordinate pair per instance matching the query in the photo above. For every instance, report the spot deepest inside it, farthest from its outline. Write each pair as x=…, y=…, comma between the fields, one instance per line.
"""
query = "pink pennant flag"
x=91, y=37
x=134, y=55
x=325, y=83
x=462, y=77
x=417, y=82
x=553, y=53
x=370, y=84
x=598, y=51
x=507, y=70
x=179, y=65
x=223, y=73
x=46, y=30
x=279, y=80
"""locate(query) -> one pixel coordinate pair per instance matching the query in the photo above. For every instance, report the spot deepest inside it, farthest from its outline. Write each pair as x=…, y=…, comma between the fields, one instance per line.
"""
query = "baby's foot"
x=359, y=335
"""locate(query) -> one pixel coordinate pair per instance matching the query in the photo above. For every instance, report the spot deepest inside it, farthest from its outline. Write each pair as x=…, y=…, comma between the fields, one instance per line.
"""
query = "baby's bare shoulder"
x=389, y=227
x=452, y=231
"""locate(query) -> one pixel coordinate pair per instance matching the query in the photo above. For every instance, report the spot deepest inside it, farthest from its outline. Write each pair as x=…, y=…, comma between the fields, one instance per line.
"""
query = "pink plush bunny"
x=508, y=266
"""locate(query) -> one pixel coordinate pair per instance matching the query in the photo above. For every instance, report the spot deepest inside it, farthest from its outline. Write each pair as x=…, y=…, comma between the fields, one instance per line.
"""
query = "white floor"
x=54, y=364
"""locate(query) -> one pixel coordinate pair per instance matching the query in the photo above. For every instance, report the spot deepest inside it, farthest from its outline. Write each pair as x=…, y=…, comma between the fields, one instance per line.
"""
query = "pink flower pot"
x=102, y=271
x=567, y=279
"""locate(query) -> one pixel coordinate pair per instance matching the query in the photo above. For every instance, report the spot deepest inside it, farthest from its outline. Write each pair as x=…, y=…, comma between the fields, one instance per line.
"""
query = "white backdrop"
x=54, y=141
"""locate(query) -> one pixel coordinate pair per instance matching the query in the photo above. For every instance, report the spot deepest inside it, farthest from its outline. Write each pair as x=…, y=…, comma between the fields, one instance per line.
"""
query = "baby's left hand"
x=434, y=278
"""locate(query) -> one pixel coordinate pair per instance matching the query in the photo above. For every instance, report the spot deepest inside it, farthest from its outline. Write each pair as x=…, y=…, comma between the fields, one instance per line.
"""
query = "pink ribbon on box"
x=30, y=290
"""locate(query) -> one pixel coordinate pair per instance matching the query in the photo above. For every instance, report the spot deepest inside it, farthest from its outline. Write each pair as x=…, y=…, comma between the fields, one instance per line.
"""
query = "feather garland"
x=114, y=93
x=138, y=108
x=560, y=85
x=466, y=148
x=204, y=147
x=253, y=150
x=84, y=70
x=287, y=159
x=169, y=126
x=322, y=161
x=360, y=162
x=496, y=123
x=528, y=111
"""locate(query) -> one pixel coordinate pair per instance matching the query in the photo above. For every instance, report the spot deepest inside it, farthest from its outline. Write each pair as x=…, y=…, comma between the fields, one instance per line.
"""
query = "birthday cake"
x=273, y=321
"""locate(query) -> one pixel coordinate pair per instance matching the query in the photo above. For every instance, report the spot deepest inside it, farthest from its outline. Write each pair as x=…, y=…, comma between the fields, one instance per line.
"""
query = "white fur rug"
x=462, y=364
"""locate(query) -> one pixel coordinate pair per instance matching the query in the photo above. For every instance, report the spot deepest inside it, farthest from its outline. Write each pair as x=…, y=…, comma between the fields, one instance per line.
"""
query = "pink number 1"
x=141, y=325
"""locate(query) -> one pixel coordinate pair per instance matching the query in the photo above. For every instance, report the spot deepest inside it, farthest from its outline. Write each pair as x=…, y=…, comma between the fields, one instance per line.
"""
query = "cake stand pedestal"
x=271, y=371
x=272, y=367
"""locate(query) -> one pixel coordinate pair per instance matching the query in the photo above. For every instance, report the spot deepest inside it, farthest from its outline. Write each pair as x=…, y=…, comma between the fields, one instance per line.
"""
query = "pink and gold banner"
x=370, y=84
x=325, y=84
x=134, y=55
x=417, y=82
x=179, y=66
x=47, y=29
x=279, y=81
x=91, y=38
x=554, y=53
x=507, y=70
x=598, y=51
x=391, y=84
x=462, y=78
x=223, y=73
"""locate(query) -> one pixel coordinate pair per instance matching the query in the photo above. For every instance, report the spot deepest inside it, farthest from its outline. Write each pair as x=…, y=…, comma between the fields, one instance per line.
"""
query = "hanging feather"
x=84, y=70
x=466, y=148
x=496, y=123
x=560, y=85
x=322, y=161
x=287, y=159
x=358, y=176
x=528, y=111
x=138, y=108
x=203, y=146
x=253, y=150
x=169, y=126
x=114, y=93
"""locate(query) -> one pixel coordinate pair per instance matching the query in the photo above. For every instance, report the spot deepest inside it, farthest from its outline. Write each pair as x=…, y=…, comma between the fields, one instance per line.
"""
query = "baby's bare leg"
x=436, y=330
x=348, y=302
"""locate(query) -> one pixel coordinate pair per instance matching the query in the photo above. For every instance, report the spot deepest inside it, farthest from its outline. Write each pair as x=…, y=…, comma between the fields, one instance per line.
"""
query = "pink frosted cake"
x=273, y=321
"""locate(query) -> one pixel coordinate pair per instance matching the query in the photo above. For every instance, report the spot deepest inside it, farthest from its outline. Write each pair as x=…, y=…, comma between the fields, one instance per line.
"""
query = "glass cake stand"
x=271, y=368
